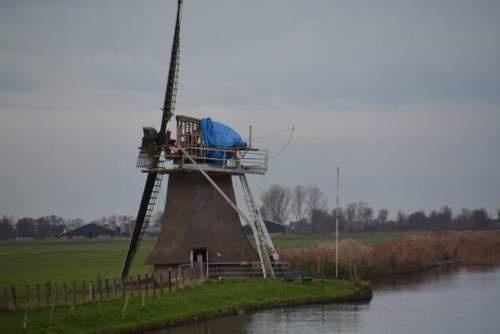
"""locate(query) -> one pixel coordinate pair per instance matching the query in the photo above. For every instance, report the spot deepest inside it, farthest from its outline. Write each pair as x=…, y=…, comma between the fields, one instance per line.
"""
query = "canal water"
x=457, y=301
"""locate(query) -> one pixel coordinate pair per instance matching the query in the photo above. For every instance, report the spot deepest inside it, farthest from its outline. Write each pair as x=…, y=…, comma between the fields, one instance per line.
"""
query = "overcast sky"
x=403, y=95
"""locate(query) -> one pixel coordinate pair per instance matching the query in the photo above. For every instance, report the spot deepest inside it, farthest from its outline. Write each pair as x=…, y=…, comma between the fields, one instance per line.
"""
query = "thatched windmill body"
x=201, y=220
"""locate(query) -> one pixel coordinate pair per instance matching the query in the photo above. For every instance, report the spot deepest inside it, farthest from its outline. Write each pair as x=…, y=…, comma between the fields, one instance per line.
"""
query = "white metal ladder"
x=263, y=241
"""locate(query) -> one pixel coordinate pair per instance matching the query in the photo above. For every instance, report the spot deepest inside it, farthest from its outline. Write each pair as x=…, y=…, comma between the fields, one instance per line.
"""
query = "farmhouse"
x=91, y=230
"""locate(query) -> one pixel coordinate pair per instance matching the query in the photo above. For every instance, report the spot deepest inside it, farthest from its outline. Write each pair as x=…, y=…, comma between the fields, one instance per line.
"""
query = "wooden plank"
x=187, y=118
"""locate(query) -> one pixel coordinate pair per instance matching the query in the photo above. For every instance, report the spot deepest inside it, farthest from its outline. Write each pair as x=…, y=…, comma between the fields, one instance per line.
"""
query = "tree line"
x=305, y=210
x=52, y=226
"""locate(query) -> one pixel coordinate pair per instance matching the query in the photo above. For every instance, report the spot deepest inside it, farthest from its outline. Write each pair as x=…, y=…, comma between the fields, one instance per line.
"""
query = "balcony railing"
x=237, y=161
x=236, y=269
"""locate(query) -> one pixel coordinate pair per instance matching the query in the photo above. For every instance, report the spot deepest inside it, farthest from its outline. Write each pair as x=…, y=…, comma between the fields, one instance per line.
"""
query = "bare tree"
x=276, y=203
x=350, y=213
x=315, y=200
x=359, y=215
x=25, y=227
x=382, y=216
x=365, y=214
x=299, y=196
x=401, y=219
x=6, y=228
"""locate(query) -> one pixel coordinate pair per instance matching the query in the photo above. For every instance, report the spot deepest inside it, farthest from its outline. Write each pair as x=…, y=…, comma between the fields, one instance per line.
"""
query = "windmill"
x=201, y=220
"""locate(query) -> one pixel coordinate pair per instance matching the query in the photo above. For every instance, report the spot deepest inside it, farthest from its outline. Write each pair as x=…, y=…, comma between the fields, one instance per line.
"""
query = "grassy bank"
x=412, y=253
x=211, y=299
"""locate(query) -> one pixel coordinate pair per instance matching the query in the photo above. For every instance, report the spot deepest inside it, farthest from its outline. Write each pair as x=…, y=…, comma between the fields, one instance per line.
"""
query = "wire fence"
x=52, y=294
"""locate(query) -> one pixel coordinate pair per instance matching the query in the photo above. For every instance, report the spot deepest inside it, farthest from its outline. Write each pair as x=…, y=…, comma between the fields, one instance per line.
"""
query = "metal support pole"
x=337, y=228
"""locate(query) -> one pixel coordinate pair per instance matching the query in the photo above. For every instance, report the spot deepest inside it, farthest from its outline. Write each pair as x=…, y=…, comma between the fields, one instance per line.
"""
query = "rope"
x=292, y=129
x=274, y=133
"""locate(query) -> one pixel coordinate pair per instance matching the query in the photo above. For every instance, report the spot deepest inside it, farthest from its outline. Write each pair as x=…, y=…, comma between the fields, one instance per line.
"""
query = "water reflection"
x=440, y=301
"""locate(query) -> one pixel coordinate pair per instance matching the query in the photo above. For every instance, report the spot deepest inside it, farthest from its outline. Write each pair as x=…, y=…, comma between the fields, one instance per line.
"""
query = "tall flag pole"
x=337, y=227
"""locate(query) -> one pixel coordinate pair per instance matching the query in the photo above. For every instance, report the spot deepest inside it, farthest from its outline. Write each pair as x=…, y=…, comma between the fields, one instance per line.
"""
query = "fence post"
x=169, y=281
x=74, y=294
x=114, y=288
x=124, y=287
x=154, y=284
x=139, y=284
x=55, y=293
x=90, y=291
x=37, y=295
x=65, y=291
x=161, y=284
x=14, y=298
x=28, y=295
x=107, y=288
x=48, y=293
x=25, y=321
x=83, y=291
x=52, y=312
x=124, y=309
x=131, y=280
x=100, y=290
x=146, y=283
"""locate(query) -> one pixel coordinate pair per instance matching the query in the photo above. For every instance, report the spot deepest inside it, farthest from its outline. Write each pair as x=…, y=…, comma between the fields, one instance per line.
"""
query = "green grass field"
x=30, y=262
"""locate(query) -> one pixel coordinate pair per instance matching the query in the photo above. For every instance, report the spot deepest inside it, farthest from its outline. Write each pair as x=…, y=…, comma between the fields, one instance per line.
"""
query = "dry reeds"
x=413, y=253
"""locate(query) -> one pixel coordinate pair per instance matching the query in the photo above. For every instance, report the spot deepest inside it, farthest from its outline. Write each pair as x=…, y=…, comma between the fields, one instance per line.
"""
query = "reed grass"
x=413, y=253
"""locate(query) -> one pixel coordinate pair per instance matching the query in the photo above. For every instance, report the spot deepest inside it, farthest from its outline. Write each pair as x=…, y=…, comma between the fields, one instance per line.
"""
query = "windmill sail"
x=153, y=181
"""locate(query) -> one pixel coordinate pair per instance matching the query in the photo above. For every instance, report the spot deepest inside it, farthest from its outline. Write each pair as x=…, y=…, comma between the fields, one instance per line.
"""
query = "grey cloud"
x=79, y=79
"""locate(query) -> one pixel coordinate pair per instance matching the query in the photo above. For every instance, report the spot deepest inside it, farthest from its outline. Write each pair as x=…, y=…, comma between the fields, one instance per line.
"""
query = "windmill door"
x=199, y=255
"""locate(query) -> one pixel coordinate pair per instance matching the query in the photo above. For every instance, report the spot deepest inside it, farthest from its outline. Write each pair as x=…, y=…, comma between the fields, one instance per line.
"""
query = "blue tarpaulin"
x=215, y=134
